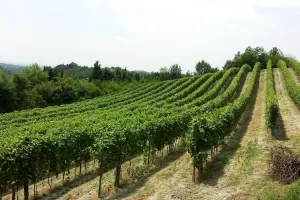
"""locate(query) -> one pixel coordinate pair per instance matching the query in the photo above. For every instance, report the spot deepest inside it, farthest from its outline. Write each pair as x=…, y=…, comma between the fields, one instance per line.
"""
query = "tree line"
x=33, y=88
x=258, y=54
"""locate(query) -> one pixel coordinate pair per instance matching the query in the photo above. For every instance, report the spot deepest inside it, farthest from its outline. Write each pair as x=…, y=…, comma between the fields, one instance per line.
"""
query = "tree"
x=20, y=84
x=7, y=93
x=34, y=75
x=118, y=72
x=203, y=67
x=97, y=71
x=164, y=73
x=175, y=71
x=137, y=76
x=108, y=75
x=275, y=54
x=124, y=74
x=188, y=73
x=50, y=72
x=250, y=56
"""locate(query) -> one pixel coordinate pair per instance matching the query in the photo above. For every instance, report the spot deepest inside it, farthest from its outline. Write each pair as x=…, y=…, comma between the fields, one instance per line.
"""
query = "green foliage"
x=8, y=96
x=36, y=88
x=33, y=100
x=293, y=193
x=204, y=67
x=252, y=55
x=70, y=134
x=295, y=65
x=113, y=128
x=66, y=90
x=175, y=71
x=172, y=72
x=275, y=54
x=272, y=108
x=97, y=72
x=292, y=88
x=208, y=130
x=34, y=75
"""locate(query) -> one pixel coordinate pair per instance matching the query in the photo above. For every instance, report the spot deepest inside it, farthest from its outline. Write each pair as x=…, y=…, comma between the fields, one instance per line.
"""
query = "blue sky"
x=142, y=34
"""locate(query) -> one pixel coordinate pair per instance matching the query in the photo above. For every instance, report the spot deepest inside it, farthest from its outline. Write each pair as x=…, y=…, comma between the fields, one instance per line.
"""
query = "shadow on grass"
x=61, y=190
x=214, y=169
x=278, y=131
x=133, y=187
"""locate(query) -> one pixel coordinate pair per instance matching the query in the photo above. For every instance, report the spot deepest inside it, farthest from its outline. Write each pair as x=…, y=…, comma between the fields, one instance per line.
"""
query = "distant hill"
x=142, y=72
x=10, y=68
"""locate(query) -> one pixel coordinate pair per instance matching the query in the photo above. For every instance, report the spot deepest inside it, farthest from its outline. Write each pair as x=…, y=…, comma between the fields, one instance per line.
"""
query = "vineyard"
x=202, y=114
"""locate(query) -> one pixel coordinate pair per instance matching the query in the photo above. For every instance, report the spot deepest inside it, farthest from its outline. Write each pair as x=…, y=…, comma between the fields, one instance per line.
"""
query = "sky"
x=144, y=34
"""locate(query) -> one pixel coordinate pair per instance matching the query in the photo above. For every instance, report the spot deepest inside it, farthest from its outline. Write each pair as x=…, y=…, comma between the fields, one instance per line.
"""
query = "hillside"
x=145, y=140
x=10, y=68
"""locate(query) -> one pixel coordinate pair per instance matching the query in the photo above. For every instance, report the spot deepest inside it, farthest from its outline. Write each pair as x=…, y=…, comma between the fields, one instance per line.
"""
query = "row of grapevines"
x=81, y=106
x=192, y=88
x=208, y=130
x=224, y=98
x=272, y=108
x=48, y=148
x=55, y=149
x=74, y=112
x=45, y=115
x=295, y=65
x=292, y=88
x=194, y=85
x=106, y=116
x=178, y=122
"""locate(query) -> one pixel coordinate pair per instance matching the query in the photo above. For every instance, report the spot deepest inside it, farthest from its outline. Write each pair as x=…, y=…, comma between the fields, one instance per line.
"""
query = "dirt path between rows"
x=229, y=175
x=288, y=126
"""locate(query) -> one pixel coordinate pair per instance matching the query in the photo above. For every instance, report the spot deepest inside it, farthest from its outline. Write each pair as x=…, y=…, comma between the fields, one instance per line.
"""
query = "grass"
x=287, y=192
x=245, y=156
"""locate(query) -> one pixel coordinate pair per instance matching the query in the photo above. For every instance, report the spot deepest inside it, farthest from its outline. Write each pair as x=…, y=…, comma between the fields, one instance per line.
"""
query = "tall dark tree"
x=124, y=74
x=175, y=71
x=275, y=54
x=20, y=84
x=137, y=76
x=97, y=71
x=7, y=93
x=203, y=67
x=118, y=72
x=50, y=72
x=108, y=74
